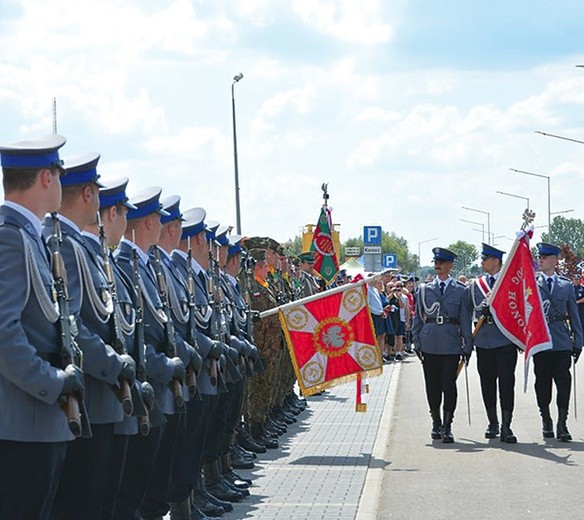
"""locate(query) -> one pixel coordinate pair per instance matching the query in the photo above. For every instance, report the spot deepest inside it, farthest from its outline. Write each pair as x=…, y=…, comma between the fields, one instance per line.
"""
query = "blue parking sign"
x=389, y=261
x=372, y=235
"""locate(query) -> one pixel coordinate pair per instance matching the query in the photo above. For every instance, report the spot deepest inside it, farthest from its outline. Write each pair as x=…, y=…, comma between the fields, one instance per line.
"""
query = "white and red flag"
x=331, y=339
x=516, y=304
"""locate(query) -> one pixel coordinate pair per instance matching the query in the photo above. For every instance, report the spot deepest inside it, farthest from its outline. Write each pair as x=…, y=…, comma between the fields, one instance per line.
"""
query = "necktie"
x=550, y=282
x=491, y=281
x=442, y=285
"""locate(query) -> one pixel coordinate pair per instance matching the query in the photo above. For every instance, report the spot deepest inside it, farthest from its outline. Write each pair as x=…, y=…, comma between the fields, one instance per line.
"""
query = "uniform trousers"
x=190, y=443
x=29, y=476
x=218, y=422
x=115, y=473
x=497, y=365
x=440, y=378
x=140, y=456
x=232, y=416
x=82, y=485
x=155, y=501
x=553, y=366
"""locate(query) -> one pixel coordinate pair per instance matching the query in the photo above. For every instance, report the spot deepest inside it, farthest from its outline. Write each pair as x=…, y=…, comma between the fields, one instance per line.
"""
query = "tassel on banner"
x=362, y=391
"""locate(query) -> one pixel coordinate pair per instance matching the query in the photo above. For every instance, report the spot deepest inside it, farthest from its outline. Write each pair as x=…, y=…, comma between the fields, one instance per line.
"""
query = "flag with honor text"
x=331, y=339
x=516, y=304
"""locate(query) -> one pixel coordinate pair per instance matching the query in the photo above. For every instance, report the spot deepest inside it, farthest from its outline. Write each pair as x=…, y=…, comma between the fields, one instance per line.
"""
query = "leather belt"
x=441, y=320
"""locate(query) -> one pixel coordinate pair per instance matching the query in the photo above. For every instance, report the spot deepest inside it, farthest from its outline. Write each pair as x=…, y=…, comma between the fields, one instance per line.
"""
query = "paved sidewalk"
x=477, y=478
x=320, y=469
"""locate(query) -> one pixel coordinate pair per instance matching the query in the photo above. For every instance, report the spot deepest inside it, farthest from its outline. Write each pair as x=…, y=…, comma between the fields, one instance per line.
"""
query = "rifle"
x=191, y=340
x=218, y=323
x=124, y=393
x=247, y=268
x=144, y=417
x=170, y=342
x=72, y=405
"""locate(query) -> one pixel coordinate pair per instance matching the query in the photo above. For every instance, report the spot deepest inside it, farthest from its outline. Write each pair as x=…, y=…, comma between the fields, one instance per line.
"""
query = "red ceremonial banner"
x=331, y=340
x=516, y=304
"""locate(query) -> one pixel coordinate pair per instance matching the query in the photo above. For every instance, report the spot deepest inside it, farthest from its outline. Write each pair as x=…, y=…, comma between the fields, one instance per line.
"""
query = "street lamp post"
x=516, y=196
x=420, y=253
x=488, y=220
x=560, y=137
x=236, y=78
x=478, y=224
x=548, y=190
x=560, y=212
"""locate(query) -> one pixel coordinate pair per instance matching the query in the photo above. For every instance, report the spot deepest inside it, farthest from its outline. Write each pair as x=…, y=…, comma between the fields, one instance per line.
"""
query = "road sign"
x=372, y=250
x=372, y=235
x=389, y=261
x=352, y=251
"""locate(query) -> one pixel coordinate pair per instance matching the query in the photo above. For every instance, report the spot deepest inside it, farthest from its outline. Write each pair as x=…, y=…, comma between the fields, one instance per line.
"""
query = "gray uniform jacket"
x=307, y=284
x=560, y=307
x=203, y=316
x=125, y=294
x=88, y=290
x=30, y=380
x=488, y=336
x=447, y=338
x=159, y=368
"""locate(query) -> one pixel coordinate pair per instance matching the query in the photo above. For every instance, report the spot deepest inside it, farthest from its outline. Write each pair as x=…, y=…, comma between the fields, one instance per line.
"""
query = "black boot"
x=547, y=425
x=437, y=430
x=507, y=434
x=180, y=510
x=562, y=427
x=202, y=507
x=447, y=436
x=228, y=474
x=258, y=435
x=247, y=442
x=238, y=461
x=493, y=428
x=217, y=486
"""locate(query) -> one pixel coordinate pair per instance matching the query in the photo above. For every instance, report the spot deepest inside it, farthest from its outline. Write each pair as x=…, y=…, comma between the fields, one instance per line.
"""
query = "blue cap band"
x=233, y=250
x=191, y=231
x=153, y=207
x=37, y=160
x=80, y=177
x=105, y=201
x=174, y=214
x=222, y=240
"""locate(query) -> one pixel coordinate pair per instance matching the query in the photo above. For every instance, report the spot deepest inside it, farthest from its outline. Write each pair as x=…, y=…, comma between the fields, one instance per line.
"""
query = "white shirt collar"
x=194, y=264
x=91, y=236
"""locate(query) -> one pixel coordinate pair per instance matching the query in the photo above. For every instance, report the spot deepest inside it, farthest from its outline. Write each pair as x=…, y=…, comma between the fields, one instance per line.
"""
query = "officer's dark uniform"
x=559, y=304
x=442, y=334
x=496, y=356
x=33, y=429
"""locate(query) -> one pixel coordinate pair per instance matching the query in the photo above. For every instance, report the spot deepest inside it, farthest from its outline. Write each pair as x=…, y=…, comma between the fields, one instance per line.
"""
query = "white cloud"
x=350, y=21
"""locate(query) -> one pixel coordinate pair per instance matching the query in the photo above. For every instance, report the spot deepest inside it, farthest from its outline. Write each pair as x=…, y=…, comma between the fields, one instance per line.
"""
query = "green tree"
x=566, y=231
x=466, y=255
x=293, y=247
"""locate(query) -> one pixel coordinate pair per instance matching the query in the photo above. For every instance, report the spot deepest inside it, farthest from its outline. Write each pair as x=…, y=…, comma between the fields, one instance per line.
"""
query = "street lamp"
x=478, y=224
x=548, y=190
x=488, y=220
x=559, y=137
x=516, y=196
x=236, y=78
x=560, y=212
x=420, y=252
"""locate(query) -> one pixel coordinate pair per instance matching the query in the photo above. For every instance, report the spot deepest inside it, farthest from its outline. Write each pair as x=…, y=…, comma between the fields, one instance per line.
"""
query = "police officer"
x=308, y=284
x=33, y=429
x=82, y=486
x=496, y=355
x=561, y=310
x=442, y=336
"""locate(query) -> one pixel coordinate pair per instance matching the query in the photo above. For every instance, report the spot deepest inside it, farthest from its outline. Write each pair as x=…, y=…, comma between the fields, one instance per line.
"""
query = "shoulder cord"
x=175, y=306
x=428, y=310
x=101, y=311
x=33, y=277
x=158, y=314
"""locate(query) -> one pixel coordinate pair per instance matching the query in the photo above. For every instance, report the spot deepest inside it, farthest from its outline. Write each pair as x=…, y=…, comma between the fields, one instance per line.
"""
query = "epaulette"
x=460, y=283
x=562, y=277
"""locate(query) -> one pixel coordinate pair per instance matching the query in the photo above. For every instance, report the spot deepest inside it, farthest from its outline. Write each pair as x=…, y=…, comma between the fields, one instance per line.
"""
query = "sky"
x=409, y=110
